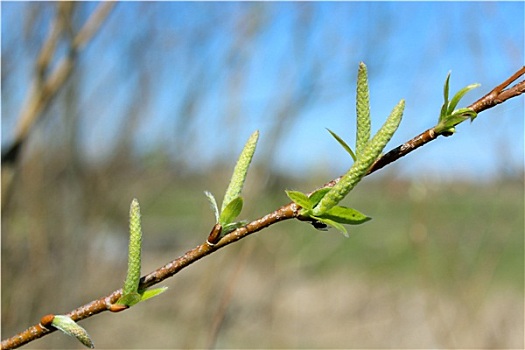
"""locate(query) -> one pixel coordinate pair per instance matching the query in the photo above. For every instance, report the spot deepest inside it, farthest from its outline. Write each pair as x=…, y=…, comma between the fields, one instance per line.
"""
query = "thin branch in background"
x=47, y=85
x=289, y=211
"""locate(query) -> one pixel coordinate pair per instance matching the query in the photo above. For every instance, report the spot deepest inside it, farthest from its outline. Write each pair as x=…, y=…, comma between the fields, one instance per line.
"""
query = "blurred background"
x=103, y=102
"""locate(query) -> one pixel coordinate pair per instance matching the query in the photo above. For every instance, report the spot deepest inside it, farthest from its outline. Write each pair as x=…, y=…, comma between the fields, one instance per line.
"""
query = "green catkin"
x=71, y=328
x=362, y=109
x=240, y=170
x=135, y=242
x=367, y=157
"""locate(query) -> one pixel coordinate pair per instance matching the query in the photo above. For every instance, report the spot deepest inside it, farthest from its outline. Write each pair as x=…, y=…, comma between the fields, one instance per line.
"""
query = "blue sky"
x=409, y=47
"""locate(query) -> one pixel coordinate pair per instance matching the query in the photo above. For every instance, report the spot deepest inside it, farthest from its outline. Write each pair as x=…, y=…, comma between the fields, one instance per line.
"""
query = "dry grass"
x=438, y=267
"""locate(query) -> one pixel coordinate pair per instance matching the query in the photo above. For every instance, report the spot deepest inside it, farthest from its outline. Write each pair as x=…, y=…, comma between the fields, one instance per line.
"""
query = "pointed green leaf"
x=299, y=198
x=240, y=171
x=344, y=215
x=334, y=224
x=343, y=143
x=362, y=109
x=129, y=299
x=71, y=328
x=469, y=113
x=446, y=88
x=446, y=126
x=458, y=96
x=444, y=107
x=449, y=117
x=232, y=210
x=454, y=120
x=233, y=226
x=213, y=204
x=318, y=195
x=150, y=293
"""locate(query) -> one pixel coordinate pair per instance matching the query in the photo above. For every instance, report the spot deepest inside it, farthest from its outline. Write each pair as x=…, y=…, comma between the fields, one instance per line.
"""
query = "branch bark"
x=289, y=211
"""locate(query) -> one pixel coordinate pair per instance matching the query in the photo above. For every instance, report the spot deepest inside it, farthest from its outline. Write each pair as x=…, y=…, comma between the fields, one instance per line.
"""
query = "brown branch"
x=499, y=94
x=494, y=97
x=289, y=211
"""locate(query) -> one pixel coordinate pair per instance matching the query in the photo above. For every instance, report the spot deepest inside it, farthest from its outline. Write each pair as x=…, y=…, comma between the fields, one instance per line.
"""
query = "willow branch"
x=289, y=211
x=496, y=96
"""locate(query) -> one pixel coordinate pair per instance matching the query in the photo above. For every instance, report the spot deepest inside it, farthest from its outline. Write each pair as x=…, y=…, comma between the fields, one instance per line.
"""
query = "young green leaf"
x=448, y=116
x=150, y=293
x=300, y=199
x=362, y=109
x=343, y=143
x=240, y=171
x=233, y=226
x=465, y=112
x=231, y=211
x=71, y=328
x=458, y=96
x=129, y=299
x=317, y=195
x=344, y=215
x=446, y=89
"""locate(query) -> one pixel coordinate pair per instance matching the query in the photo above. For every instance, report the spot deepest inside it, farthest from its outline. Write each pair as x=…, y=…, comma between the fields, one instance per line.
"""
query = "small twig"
x=499, y=94
x=289, y=211
x=46, y=89
x=494, y=97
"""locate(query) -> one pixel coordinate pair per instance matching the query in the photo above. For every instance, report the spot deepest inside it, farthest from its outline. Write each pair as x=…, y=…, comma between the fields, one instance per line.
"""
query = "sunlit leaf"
x=150, y=293
x=343, y=143
x=129, y=299
x=318, y=195
x=231, y=211
x=344, y=215
x=458, y=96
x=233, y=226
x=299, y=198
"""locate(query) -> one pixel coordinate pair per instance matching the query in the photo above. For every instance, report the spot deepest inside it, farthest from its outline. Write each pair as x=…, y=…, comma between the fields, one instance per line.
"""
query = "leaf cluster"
x=449, y=116
x=335, y=216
